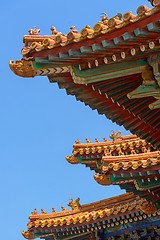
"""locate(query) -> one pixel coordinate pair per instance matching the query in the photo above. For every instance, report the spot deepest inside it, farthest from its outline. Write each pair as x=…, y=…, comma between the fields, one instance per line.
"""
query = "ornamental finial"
x=35, y=212
x=87, y=140
x=74, y=204
x=54, y=30
x=53, y=210
x=72, y=28
x=115, y=135
x=43, y=211
x=63, y=209
x=34, y=31
x=104, y=16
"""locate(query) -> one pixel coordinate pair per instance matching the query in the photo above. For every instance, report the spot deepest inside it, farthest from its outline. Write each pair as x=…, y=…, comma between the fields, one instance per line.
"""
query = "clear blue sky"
x=39, y=122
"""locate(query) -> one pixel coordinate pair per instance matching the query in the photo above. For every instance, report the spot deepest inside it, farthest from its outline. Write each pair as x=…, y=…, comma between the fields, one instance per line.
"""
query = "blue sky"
x=40, y=123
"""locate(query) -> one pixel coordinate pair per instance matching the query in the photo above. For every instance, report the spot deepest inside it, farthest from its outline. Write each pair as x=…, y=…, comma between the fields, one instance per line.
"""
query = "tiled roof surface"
x=36, y=43
x=123, y=152
x=127, y=161
x=89, y=213
x=143, y=160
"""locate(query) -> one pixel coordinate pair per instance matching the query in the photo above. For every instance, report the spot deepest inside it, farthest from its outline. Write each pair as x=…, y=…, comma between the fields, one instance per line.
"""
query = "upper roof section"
x=35, y=43
x=113, y=67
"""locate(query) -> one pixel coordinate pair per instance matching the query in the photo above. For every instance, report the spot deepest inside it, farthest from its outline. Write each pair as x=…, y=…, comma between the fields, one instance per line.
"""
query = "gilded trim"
x=22, y=68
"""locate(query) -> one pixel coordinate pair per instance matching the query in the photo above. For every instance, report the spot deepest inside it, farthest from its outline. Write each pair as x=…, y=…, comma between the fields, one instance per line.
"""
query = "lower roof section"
x=107, y=218
x=127, y=161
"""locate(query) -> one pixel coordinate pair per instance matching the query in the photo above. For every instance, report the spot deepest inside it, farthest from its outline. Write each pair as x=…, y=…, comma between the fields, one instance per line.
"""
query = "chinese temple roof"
x=127, y=161
x=115, y=216
x=112, y=67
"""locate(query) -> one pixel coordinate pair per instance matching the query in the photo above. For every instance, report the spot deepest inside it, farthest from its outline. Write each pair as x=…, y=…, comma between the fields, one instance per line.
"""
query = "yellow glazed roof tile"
x=88, y=213
x=35, y=43
x=123, y=152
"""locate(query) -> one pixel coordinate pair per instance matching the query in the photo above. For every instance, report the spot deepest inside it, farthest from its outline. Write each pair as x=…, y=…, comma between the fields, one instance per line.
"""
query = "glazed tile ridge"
x=35, y=43
x=116, y=150
x=105, y=210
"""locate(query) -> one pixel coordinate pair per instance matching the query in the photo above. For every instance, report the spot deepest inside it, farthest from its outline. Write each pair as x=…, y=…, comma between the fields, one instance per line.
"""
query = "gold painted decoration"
x=22, y=68
x=102, y=179
x=148, y=208
x=115, y=136
x=73, y=34
x=54, y=31
x=35, y=212
x=149, y=87
x=147, y=75
x=111, y=209
x=28, y=235
x=48, y=41
x=60, y=38
x=114, y=21
x=98, y=27
x=102, y=27
x=87, y=31
x=128, y=16
x=34, y=31
x=74, y=204
x=72, y=159
x=142, y=10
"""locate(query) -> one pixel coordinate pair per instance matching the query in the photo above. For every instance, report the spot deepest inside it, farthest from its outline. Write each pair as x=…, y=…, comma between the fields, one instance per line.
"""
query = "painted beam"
x=107, y=44
x=155, y=105
x=140, y=32
x=96, y=47
x=145, y=91
x=85, y=49
x=118, y=41
x=128, y=36
x=73, y=53
x=105, y=72
x=153, y=27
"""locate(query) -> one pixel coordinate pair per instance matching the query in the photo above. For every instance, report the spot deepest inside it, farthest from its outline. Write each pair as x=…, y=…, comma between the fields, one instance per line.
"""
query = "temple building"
x=114, y=68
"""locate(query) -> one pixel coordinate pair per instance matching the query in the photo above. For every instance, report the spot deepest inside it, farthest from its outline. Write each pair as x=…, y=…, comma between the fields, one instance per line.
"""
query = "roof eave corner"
x=22, y=68
x=72, y=159
x=28, y=235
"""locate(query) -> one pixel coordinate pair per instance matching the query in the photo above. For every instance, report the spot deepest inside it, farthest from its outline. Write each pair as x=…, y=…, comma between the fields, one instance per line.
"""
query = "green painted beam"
x=85, y=49
x=140, y=33
x=145, y=91
x=105, y=72
x=96, y=47
x=128, y=36
x=155, y=105
x=62, y=55
x=147, y=185
x=73, y=53
x=153, y=27
x=107, y=44
x=118, y=40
